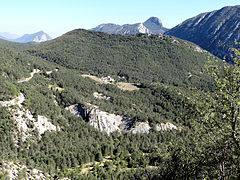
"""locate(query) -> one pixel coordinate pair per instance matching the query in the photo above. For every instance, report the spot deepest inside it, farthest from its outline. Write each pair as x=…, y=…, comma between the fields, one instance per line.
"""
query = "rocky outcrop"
x=101, y=96
x=16, y=101
x=141, y=128
x=155, y=25
x=101, y=120
x=42, y=124
x=13, y=170
x=165, y=126
x=25, y=122
x=109, y=123
x=214, y=31
x=37, y=37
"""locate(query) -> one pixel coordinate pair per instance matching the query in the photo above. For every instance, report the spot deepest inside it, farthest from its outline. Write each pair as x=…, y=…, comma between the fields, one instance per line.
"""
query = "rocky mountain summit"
x=37, y=37
x=214, y=31
x=152, y=26
x=155, y=25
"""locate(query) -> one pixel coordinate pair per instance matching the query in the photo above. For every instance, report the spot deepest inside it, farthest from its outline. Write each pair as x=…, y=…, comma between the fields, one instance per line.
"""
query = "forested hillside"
x=137, y=58
x=170, y=87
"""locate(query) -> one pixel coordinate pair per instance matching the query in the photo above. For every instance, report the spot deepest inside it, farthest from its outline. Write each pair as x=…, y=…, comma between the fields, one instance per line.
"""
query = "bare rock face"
x=37, y=37
x=109, y=123
x=155, y=25
x=141, y=128
x=101, y=120
x=152, y=26
x=25, y=122
x=214, y=31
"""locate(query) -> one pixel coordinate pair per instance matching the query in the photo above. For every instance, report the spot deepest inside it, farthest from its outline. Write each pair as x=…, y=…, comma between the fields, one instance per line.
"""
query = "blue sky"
x=59, y=16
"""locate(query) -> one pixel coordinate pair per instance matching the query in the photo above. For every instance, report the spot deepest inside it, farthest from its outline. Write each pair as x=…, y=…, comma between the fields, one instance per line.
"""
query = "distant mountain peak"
x=155, y=20
x=152, y=26
x=155, y=25
x=37, y=37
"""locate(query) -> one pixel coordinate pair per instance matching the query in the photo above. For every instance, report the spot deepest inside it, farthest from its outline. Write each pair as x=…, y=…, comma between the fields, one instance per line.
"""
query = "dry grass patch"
x=95, y=78
x=89, y=166
x=108, y=80
x=127, y=86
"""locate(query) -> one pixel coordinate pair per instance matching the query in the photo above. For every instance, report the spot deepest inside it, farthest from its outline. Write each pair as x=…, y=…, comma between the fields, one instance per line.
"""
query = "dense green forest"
x=173, y=86
x=137, y=58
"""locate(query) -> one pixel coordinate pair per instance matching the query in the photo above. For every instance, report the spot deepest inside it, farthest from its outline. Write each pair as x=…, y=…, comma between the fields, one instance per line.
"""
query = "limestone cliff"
x=109, y=123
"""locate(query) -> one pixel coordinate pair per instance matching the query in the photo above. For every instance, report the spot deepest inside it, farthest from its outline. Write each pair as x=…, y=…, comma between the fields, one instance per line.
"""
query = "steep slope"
x=36, y=37
x=152, y=26
x=132, y=29
x=136, y=58
x=214, y=31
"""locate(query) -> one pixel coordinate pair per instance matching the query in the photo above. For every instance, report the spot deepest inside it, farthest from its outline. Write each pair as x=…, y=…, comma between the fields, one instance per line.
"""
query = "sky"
x=57, y=17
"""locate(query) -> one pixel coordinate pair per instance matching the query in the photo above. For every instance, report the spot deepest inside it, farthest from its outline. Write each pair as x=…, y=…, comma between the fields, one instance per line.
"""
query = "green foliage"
x=206, y=145
x=8, y=90
x=220, y=117
x=6, y=123
x=137, y=58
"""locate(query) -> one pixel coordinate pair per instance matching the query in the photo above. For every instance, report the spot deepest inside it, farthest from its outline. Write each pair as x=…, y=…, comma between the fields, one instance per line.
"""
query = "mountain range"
x=214, y=31
x=152, y=26
x=37, y=37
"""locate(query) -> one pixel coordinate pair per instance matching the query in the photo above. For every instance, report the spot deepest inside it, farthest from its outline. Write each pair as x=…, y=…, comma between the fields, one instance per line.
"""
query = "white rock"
x=40, y=38
x=13, y=169
x=109, y=123
x=23, y=118
x=101, y=96
x=141, y=128
x=143, y=29
x=104, y=121
x=42, y=124
x=101, y=120
x=165, y=126
x=16, y=101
